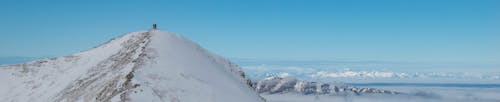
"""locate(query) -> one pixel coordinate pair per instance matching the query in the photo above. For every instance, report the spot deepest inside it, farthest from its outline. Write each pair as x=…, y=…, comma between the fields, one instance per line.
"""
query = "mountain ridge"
x=140, y=66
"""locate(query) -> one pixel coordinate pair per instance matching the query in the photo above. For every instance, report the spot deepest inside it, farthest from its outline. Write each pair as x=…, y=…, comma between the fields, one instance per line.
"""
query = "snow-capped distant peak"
x=286, y=83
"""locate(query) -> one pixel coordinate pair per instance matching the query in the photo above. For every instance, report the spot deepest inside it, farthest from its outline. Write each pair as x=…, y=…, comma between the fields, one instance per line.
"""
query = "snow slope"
x=140, y=66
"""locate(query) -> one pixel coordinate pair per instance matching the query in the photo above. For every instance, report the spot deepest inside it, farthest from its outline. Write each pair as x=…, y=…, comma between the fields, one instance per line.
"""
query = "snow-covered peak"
x=140, y=66
x=286, y=83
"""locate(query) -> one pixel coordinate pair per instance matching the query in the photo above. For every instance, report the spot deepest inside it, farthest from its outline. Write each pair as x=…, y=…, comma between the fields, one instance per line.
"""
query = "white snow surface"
x=144, y=66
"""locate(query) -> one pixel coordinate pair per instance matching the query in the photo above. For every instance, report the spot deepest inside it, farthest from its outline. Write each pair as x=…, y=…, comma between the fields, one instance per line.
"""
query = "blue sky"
x=442, y=31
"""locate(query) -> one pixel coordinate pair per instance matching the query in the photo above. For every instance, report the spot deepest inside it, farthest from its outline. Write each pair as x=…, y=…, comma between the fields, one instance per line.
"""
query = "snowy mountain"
x=285, y=87
x=140, y=66
x=285, y=83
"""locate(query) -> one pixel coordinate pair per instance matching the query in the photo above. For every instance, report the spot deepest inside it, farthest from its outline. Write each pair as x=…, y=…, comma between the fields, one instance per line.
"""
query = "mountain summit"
x=140, y=66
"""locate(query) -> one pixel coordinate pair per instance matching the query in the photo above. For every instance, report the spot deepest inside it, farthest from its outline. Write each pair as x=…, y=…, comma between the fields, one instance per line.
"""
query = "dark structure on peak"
x=154, y=26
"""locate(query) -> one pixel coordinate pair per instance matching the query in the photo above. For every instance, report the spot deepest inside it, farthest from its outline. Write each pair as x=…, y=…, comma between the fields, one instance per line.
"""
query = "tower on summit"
x=154, y=26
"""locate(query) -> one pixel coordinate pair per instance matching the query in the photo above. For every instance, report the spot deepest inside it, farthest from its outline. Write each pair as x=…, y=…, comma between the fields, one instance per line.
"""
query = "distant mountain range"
x=285, y=83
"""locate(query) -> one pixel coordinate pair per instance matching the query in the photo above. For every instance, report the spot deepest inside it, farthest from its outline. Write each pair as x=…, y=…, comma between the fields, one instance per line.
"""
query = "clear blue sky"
x=380, y=30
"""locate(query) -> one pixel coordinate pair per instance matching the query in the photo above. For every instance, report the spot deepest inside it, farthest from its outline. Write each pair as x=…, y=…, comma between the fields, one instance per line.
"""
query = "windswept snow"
x=140, y=66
